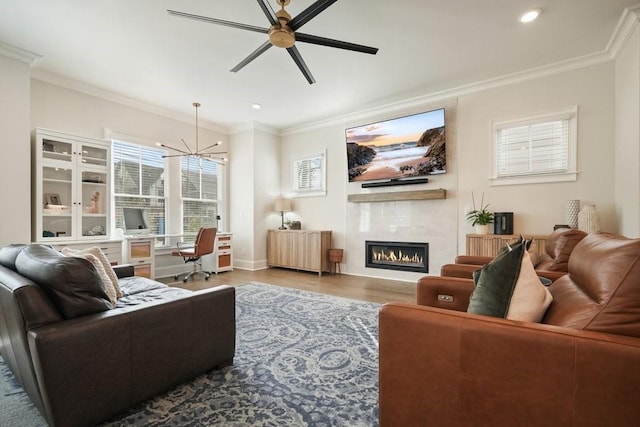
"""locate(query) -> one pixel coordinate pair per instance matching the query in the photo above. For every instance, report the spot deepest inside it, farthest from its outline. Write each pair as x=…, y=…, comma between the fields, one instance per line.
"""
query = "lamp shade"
x=283, y=205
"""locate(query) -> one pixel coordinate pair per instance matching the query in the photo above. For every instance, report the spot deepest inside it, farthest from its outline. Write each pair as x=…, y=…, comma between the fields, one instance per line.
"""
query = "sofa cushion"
x=8, y=255
x=602, y=290
x=558, y=249
x=73, y=284
x=509, y=287
x=140, y=290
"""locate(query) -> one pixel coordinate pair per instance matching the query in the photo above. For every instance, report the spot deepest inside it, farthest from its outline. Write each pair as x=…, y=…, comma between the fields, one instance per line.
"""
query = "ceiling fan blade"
x=297, y=58
x=268, y=10
x=219, y=21
x=309, y=13
x=323, y=41
x=259, y=51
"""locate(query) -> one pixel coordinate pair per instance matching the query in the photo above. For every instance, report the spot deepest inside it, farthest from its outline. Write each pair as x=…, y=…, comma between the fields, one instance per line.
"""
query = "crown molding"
x=441, y=96
x=87, y=89
x=626, y=25
x=249, y=126
x=18, y=54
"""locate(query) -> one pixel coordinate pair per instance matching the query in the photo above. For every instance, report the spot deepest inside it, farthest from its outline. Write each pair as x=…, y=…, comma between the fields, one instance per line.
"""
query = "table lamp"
x=283, y=205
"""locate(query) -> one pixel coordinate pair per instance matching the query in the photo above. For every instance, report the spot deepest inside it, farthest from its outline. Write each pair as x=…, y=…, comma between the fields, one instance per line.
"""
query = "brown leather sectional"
x=84, y=370
x=441, y=366
x=552, y=263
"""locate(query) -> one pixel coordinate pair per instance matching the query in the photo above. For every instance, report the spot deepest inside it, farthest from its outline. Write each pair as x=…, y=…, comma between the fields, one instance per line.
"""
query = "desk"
x=140, y=252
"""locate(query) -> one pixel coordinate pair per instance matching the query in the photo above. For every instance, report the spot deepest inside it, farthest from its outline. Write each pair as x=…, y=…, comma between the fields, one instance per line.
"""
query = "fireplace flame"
x=391, y=256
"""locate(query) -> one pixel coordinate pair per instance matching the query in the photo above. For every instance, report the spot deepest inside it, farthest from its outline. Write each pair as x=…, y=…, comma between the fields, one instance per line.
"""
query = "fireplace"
x=405, y=256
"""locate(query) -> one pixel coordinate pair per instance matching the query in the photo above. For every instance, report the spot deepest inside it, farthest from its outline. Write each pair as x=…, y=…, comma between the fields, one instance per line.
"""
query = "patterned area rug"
x=302, y=359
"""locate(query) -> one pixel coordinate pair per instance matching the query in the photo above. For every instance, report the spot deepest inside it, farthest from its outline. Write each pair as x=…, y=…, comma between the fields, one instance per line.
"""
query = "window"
x=199, y=194
x=309, y=175
x=536, y=149
x=138, y=181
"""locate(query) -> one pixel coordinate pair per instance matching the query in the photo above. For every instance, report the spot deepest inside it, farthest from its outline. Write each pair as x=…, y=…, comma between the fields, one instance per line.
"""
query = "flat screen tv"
x=397, y=149
x=135, y=220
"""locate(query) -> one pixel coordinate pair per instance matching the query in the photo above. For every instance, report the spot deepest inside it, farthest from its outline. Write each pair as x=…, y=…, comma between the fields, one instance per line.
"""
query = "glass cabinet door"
x=93, y=202
x=53, y=149
x=57, y=201
x=93, y=155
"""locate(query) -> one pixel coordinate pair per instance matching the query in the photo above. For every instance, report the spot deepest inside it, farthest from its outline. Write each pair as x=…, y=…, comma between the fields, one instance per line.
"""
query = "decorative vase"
x=588, y=219
x=571, y=213
x=482, y=228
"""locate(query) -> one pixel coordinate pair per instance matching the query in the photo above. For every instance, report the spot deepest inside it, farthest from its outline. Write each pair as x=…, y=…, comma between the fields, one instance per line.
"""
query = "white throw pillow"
x=95, y=250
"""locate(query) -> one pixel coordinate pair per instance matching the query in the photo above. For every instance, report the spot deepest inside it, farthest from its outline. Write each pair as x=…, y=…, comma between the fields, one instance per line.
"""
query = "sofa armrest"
x=94, y=367
x=441, y=367
x=464, y=271
x=473, y=259
x=451, y=293
x=124, y=270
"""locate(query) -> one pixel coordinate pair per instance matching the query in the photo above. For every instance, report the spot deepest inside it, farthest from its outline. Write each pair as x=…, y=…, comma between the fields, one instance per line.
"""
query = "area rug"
x=302, y=359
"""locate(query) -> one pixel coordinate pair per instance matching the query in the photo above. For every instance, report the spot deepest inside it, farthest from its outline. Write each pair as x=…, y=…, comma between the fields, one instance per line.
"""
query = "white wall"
x=469, y=143
x=15, y=164
x=537, y=207
x=254, y=185
x=627, y=137
x=266, y=190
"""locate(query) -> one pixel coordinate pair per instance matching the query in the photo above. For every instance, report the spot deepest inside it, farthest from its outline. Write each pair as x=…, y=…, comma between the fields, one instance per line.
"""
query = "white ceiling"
x=137, y=50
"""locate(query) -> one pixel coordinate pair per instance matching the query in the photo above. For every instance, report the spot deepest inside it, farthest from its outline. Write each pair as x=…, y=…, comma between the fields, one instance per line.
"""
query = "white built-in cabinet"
x=71, y=187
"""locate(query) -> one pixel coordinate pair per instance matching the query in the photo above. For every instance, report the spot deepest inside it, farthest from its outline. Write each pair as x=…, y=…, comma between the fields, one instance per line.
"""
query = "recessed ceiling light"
x=530, y=15
x=256, y=106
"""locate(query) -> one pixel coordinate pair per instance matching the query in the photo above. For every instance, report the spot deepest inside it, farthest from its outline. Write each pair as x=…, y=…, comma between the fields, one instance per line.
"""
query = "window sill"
x=310, y=194
x=534, y=179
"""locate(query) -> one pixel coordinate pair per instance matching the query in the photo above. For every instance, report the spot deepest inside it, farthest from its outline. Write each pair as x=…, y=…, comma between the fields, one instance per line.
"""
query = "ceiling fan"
x=283, y=32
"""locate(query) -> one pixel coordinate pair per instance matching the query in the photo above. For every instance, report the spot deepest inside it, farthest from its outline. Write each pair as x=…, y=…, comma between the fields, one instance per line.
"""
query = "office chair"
x=203, y=246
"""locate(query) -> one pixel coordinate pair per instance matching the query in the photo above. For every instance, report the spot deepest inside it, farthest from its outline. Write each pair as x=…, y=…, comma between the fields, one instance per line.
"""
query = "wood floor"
x=342, y=285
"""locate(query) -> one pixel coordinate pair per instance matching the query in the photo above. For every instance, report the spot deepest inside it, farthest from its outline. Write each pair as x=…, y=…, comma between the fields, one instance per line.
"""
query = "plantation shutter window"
x=309, y=175
x=539, y=149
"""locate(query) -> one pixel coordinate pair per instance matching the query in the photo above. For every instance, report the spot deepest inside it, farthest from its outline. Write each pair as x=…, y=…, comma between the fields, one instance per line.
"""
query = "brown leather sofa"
x=551, y=264
x=441, y=366
x=84, y=370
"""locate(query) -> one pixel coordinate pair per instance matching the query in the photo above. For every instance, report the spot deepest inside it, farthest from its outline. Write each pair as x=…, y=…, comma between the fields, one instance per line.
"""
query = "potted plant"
x=480, y=218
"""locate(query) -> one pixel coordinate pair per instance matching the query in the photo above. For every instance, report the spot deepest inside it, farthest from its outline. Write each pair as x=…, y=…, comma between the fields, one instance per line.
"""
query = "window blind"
x=138, y=178
x=199, y=194
x=138, y=170
x=530, y=149
x=309, y=174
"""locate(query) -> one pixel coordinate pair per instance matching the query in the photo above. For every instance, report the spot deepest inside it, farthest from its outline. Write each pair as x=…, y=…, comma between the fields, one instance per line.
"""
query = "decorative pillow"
x=106, y=265
x=106, y=280
x=509, y=287
x=73, y=284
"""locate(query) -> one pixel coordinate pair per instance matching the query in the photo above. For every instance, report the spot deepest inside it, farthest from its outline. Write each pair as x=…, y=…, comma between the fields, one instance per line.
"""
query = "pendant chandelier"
x=215, y=156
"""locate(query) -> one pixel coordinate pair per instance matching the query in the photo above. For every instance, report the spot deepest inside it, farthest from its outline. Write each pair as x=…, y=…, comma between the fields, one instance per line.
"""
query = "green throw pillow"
x=509, y=287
